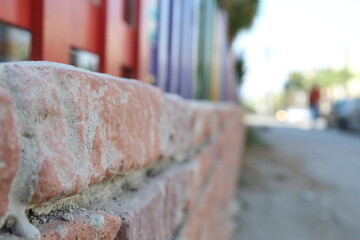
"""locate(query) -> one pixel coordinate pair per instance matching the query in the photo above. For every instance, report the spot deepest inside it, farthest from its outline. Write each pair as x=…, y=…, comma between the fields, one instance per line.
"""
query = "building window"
x=127, y=72
x=130, y=12
x=15, y=43
x=84, y=59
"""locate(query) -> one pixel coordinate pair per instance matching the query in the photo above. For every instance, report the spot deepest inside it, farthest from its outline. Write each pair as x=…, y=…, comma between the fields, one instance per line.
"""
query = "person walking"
x=314, y=99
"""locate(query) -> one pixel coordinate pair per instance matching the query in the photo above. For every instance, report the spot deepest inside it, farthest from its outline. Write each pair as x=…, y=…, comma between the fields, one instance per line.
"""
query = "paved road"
x=303, y=184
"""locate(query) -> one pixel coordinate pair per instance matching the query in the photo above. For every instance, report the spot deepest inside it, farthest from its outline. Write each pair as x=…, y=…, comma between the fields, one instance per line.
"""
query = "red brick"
x=200, y=172
x=226, y=148
x=210, y=215
x=187, y=124
x=204, y=122
x=87, y=127
x=94, y=225
x=9, y=149
x=176, y=128
x=228, y=113
x=210, y=219
x=230, y=142
x=155, y=212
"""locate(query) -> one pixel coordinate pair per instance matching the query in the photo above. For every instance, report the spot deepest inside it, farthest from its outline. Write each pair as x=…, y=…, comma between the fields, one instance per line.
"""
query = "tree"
x=240, y=70
x=298, y=81
x=324, y=78
x=241, y=14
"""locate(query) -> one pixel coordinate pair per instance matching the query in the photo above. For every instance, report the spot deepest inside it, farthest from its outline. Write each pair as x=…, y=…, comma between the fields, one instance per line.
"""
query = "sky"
x=297, y=35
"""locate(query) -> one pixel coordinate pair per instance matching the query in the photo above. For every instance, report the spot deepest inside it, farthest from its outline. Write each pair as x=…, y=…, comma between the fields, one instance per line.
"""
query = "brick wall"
x=90, y=156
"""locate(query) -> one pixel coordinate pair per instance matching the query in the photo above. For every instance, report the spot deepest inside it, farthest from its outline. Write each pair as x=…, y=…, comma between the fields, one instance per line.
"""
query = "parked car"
x=354, y=115
x=339, y=114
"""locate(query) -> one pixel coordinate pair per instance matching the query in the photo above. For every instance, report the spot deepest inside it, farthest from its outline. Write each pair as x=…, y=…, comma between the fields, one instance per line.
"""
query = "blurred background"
x=292, y=64
x=301, y=90
x=295, y=45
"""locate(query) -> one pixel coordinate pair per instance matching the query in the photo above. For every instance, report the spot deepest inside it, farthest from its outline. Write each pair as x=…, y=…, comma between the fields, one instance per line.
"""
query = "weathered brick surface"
x=8, y=236
x=155, y=212
x=9, y=149
x=86, y=127
x=202, y=220
x=200, y=172
x=202, y=188
x=93, y=225
x=228, y=113
x=187, y=124
x=74, y=129
x=176, y=125
x=204, y=122
x=211, y=217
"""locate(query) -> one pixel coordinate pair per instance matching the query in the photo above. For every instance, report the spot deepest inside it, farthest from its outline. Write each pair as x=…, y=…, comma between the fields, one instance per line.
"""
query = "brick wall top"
x=63, y=129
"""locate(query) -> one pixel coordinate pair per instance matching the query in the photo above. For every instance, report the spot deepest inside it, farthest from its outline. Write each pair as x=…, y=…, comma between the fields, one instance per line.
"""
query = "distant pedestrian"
x=314, y=99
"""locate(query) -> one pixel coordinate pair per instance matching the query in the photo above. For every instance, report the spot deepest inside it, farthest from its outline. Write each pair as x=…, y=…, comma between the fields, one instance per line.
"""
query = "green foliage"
x=297, y=80
x=240, y=69
x=323, y=78
x=253, y=138
x=249, y=108
x=280, y=100
x=330, y=77
x=241, y=14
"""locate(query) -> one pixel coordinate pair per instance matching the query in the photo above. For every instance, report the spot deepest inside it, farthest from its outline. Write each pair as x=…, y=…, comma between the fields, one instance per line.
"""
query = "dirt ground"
x=299, y=185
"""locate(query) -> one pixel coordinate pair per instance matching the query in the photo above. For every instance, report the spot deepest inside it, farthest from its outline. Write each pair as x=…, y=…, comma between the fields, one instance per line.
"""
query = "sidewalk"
x=303, y=184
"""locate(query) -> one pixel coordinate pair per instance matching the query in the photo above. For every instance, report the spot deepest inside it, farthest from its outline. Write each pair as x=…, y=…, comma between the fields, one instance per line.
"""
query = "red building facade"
x=109, y=30
x=180, y=46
